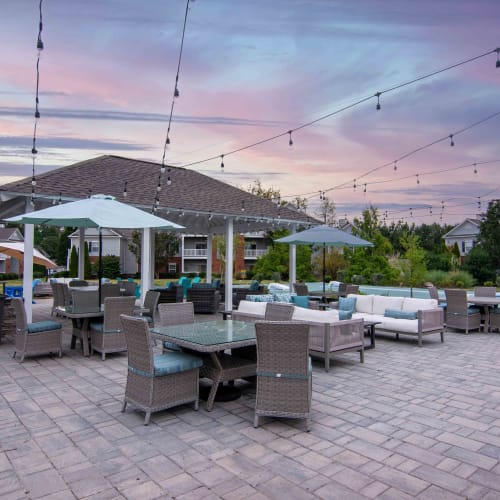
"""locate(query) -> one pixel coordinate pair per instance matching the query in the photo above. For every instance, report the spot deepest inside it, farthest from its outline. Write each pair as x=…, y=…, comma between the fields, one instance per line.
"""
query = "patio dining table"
x=211, y=339
x=485, y=303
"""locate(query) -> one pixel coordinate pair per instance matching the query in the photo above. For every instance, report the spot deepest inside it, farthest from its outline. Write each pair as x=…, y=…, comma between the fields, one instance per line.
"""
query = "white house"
x=464, y=234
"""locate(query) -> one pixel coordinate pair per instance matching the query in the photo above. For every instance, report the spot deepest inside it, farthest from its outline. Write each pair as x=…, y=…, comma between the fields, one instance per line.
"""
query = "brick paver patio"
x=409, y=422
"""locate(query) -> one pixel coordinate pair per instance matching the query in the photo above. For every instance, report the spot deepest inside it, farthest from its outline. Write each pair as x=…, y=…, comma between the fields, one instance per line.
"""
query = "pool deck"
x=408, y=423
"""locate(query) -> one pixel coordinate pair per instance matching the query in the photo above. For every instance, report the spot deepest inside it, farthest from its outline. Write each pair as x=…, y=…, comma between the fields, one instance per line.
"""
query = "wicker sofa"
x=173, y=293
x=400, y=315
x=328, y=335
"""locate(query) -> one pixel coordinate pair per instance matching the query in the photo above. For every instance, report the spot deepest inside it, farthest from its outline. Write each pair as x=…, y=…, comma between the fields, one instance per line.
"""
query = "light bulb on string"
x=430, y=210
x=162, y=169
x=60, y=199
x=451, y=140
x=242, y=205
x=395, y=165
x=158, y=187
x=222, y=163
x=354, y=185
x=169, y=181
x=475, y=168
x=125, y=189
x=411, y=212
x=377, y=95
x=364, y=188
x=290, y=141
x=418, y=180
x=498, y=57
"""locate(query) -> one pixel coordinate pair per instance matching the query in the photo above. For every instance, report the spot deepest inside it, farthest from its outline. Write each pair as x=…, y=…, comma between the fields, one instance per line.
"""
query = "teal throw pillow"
x=264, y=297
x=395, y=313
x=282, y=297
x=301, y=301
x=254, y=285
x=345, y=315
x=347, y=304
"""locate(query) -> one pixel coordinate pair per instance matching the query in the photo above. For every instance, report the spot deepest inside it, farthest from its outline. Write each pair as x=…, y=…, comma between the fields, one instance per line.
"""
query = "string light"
x=498, y=57
x=290, y=142
x=451, y=140
x=158, y=187
x=418, y=180
x=395, y=165
x=364, y=188
x=222, y=163
x=125, y=189
x=377, y=95
x=475, y=168
x=242, y=205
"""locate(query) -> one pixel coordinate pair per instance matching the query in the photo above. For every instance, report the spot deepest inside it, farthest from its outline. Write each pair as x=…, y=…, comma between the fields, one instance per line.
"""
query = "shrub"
x=461, y=279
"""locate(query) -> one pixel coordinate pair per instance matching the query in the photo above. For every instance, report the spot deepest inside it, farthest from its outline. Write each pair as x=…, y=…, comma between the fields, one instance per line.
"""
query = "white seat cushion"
x=248, y=307
x=412, y=304
x=381, y=303
x=302, y=314
x=364, y=303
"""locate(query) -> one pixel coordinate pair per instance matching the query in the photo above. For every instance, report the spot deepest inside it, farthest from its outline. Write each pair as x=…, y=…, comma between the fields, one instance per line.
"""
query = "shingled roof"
x=194, y=200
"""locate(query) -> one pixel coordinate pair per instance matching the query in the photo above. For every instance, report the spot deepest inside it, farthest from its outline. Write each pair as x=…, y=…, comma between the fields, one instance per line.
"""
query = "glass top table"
x=213, y=338
x=209, y=336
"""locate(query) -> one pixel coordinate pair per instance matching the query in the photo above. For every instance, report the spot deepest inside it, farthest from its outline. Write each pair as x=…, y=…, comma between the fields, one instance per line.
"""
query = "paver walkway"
x=409, y=422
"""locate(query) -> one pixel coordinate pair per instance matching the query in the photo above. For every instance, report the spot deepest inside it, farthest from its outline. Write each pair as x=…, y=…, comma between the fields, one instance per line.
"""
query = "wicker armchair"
x=41, y=337
x=107, y=336
x=458, y=314
x=61, y=296
x=284, y=374
x=157, y=381
x=241, y=293
x=128, y=288
x=75, y=283
x=205, y=300
x=278, y=311
x=110, y=290
x=300, y=289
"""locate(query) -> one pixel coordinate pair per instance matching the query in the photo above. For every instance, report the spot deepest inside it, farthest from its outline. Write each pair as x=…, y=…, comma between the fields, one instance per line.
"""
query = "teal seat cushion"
x=43, y=326
x=285, y=297
x=170, y=346
x=98, y=326
x=301, y=301
x=347, y=304
x=473, y=310
x=343, y=315
x=254, y=285
x=175, y=362
x=265, y=297
x=395, y=313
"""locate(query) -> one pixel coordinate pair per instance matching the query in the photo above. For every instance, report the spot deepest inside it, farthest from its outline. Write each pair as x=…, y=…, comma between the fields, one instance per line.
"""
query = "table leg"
x=371, y=331
x=215, y=381
x=82, y=331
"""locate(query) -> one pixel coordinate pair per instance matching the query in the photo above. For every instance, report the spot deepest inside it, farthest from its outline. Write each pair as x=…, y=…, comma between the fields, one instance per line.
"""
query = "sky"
x=253, y=70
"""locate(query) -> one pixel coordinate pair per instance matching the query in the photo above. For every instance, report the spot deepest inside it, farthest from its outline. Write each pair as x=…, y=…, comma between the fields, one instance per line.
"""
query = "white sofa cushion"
x=302, y=314
x=248, y=307
x=398, y=325
x=412, y=304
x=381, y=303
x=364, y=303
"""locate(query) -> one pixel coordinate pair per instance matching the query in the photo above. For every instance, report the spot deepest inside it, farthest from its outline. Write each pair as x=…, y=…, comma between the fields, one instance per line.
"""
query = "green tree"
x=478, y=263
x=63, y=246
x=370, y=261
x=110, y=266
x=413, y=267
x=73, y=263
x=326, y=211
x=47, y=239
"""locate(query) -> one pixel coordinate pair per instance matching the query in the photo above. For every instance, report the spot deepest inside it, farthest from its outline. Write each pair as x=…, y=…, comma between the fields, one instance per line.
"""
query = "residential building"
x=465, y=235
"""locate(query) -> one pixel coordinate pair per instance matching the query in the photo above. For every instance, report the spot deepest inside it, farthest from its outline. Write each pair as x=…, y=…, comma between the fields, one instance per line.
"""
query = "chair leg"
x=124, y=407
x=147, y=418
x=103, y=356
x=361, y=355
x=256, y=421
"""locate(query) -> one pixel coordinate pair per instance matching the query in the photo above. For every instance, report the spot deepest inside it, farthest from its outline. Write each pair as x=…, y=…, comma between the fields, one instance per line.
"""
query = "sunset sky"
x=252, y=70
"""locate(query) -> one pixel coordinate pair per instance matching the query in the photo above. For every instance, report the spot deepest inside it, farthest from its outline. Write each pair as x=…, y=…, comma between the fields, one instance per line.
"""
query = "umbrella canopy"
x=327, y=236
x=101, y=211
x=96, y=211
x=16, y=249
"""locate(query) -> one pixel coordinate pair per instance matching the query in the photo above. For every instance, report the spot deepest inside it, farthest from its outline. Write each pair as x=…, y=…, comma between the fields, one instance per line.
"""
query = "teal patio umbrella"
x=327, y=236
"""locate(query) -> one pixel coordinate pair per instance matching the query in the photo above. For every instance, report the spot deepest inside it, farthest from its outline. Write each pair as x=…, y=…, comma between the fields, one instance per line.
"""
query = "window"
x=93, y=247
x=172, y=267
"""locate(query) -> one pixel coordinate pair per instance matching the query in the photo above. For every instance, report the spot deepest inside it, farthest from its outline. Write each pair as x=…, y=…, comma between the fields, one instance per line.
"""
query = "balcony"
x=195, y=253
x=254, y=254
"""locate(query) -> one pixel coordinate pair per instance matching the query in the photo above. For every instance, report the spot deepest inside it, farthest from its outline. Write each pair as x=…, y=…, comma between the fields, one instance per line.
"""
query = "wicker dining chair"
x=57, y=297
x=300, y=289
x=284, y=373
x=107, y=336
x=40, y=337
x=156, y=381
x=458, y=314
x=486, y=311
x=128, y=288
x=151, y=304
x=78, y=282
x=278, y=311
x=176, y=313
x=110, y=290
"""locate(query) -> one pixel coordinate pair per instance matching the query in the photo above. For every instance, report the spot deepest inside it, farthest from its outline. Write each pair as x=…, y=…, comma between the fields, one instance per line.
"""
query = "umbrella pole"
x=99, y=274
x=324, y=271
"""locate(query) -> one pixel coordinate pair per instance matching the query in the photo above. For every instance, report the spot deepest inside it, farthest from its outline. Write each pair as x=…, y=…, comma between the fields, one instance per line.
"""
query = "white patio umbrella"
x=99, y=211
x=16, y=249
x=328, y=236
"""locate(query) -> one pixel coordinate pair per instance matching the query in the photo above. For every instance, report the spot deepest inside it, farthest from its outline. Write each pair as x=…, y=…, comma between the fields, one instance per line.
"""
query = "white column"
x=209, y=257
x=81, y=253
x=228, y=305
x=292, y=267
x=29, y=236
x=147, y=261
x=182, y=253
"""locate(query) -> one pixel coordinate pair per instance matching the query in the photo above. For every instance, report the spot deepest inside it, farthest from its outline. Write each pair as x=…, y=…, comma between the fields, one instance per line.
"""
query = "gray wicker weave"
x=284, y=378
x=205, y=300
x=129, y=288
x=145, y=390
x=151, y=304
x=77, y=282
x=458, y=315
x=178, y=313
x=110, y=337
x=109, y=290
x=278, y=311
x=31, y=344
x=300, y=289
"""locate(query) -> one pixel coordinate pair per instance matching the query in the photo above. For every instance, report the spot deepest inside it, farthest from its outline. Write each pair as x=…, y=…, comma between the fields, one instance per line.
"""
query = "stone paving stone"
x=43, y=483
x=441, y=478
x=276, y=486
x=400, y=480
x=184, y=483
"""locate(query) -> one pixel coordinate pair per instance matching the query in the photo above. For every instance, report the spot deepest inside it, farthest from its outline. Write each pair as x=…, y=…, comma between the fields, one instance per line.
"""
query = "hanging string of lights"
x=394, y=163
x=34, y=151
x=175, y=95
x=377, y=95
